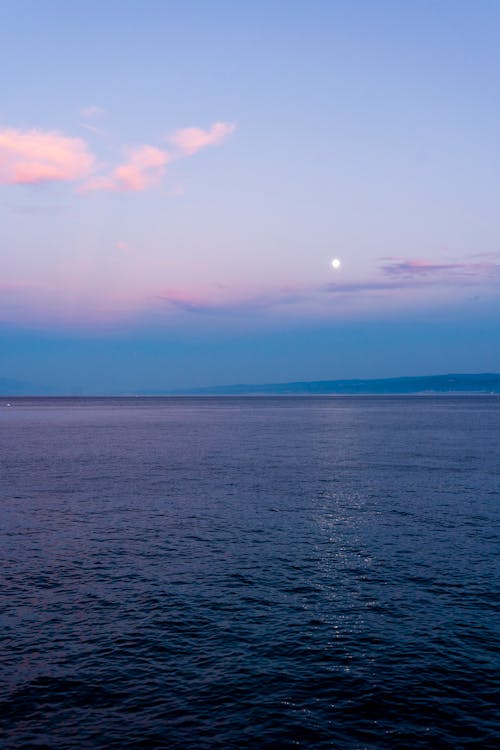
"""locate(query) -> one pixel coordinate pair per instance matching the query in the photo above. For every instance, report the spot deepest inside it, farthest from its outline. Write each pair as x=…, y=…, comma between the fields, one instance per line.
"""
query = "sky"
x=176, y=179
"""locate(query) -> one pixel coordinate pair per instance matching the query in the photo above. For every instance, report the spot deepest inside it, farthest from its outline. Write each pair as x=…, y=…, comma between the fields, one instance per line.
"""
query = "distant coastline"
x=484, y=383
x=452, y=384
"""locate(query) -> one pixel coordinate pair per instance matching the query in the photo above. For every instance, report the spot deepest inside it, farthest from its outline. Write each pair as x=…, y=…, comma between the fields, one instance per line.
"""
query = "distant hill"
x=459, y=383
x=453, y=383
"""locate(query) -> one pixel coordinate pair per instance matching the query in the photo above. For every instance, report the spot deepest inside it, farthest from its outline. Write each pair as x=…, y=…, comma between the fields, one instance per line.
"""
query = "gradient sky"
x=176, y=177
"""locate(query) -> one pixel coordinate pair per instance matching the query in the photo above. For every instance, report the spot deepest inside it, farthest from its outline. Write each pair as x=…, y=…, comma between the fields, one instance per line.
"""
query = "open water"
x=214, y=573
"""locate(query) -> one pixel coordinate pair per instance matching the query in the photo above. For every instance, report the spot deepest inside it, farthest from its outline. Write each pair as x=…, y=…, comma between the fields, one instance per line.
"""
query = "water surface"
x=208, y=573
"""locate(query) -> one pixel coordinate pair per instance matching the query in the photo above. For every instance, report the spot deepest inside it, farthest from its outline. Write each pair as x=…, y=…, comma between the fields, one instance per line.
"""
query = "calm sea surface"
x=249, y=573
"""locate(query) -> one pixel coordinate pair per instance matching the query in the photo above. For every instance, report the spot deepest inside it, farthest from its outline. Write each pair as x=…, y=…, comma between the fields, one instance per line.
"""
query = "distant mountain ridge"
x=451, y=383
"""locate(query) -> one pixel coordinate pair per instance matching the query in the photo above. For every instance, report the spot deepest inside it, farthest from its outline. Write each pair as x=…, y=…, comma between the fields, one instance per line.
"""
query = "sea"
x=214, y=573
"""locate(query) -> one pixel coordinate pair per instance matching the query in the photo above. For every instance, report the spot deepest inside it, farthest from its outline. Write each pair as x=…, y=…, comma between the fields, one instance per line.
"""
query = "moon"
x=336, y=264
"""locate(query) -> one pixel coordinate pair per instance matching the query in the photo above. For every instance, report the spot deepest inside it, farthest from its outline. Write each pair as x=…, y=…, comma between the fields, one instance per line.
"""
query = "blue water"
x=250, y=573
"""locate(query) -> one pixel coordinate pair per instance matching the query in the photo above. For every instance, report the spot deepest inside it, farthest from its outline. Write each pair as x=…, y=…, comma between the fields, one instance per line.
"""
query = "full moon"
x=335, y=263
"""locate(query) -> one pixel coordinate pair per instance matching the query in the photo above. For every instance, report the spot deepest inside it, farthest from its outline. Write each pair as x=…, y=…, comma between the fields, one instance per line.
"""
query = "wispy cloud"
x=191, y=140
x=19, y=285
x=91, y=112
x=399, y=277
x=425, y=268
x=144, y=168
x=123, y=247
x=90, y=115
x=194, y=304
x=494, y=255
x=360, y=287
x=34, y=156
x=92, y=128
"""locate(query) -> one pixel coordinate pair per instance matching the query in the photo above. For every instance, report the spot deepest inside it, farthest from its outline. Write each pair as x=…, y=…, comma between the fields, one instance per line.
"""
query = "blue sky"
x=175, y=179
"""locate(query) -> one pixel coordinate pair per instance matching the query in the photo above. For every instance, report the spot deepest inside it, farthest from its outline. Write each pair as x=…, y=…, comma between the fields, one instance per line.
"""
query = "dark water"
x=250, y=573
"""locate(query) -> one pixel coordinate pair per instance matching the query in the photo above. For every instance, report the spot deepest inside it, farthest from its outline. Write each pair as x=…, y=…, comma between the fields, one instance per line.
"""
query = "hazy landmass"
x=452, y=383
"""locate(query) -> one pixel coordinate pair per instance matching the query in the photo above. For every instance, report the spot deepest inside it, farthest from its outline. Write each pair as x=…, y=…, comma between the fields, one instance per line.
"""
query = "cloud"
x=420, y=274
x=123, y=247
x=192, y=304
x=90, y=115
x=92, y=112
x=18, y=285
x=400, y=276
x=358, y=287
x=146, y=164
x=191, y=140
x=144, y=168
x=424, y=268
x=92, y=128
x=34, y=156
x=493, y=254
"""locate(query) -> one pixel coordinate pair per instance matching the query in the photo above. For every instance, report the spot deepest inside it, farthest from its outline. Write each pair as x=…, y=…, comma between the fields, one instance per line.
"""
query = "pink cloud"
x=144, y=168
x=191, y=140
x=123, y=247
x=146, y=164
x=18, y=285
x=33, y=156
